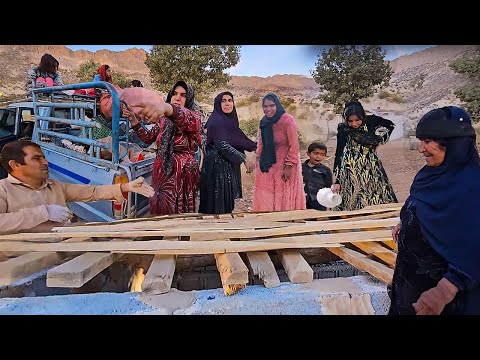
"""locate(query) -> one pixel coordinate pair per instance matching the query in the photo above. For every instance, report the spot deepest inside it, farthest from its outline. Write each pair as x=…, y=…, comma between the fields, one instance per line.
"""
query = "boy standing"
x=316, y=176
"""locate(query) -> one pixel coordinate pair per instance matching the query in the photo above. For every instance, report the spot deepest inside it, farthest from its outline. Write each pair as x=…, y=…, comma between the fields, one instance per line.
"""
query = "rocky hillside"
x=421, y=81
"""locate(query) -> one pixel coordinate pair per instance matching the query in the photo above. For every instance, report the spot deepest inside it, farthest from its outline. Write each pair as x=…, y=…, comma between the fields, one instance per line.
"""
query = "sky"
x=269, y=60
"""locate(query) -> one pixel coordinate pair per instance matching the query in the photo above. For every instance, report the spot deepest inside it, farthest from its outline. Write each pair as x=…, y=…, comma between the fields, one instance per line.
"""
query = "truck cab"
x=52, y=119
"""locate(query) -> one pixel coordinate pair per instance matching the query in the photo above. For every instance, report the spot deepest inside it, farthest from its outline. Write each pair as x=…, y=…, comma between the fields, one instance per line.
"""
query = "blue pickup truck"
x=53, y=118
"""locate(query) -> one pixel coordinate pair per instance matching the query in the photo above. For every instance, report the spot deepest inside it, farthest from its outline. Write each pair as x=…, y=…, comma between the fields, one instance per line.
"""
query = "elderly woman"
x=437, y=269
x=220, y=180
x=177, y=134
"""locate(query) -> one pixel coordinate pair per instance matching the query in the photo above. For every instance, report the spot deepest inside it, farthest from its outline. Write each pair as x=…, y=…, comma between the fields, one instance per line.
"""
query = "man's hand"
x=335, y=188
x=138, y=186
x=58, y=213
x=433, y=301
x=287, y=172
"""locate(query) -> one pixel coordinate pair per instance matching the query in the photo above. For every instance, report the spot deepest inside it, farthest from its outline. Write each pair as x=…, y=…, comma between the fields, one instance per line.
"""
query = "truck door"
x=8, y=132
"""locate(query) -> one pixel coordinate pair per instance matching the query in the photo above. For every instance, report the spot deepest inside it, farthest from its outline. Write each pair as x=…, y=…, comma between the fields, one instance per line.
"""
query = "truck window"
x=7, y=124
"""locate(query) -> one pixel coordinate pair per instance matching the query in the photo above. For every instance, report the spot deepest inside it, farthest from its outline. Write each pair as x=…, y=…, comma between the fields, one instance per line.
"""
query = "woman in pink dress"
x=278, y=175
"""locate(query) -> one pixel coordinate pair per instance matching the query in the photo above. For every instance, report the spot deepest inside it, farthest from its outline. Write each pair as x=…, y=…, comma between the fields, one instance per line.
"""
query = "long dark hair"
x=48, y=64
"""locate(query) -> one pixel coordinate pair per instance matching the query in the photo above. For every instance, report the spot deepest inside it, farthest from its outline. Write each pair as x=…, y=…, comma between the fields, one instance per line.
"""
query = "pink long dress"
x=271, y=192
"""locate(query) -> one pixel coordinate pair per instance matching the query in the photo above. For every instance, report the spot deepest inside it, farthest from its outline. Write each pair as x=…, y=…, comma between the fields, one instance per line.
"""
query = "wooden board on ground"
x=202, y=234
x=78, y=271
x=295, y=266
x=233, y=272
x=158, y=279
x=377, y=250
x=30, y=263
x=262, y=266
x=362, y=262
x=220, y=237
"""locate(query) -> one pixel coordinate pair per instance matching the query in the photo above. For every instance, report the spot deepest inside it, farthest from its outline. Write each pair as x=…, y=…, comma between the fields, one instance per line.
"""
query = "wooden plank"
x=377, y=250
x=317, y=214
x=213, y=224
x=262, y=266
x=27, y=264
x=233, y=272
x=76, y=272
x=30, y=263
x=362, y=262
x=158, y=279
x=205, y=234
x=295, y=266
x=391, y=244
x=167, y=247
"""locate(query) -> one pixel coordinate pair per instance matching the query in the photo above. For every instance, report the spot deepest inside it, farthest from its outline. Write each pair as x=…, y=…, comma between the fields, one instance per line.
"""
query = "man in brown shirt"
x=31, y=202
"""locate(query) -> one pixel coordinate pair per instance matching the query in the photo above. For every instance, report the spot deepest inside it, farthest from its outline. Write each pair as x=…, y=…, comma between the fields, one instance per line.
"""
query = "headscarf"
x=222, y=126
x=447, y=197
x=360, y=135
x=354, y=107
x=268, y=157
x=167, y=139
x=102, y=70
x=190, y=97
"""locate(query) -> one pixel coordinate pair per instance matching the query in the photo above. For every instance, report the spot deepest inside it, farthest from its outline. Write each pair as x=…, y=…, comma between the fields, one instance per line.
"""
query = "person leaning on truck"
x=31, y=202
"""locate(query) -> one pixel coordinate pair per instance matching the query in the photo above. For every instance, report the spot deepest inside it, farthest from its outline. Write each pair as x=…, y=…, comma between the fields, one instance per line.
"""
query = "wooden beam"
x=391, y=244
x=233, y=272
x=158, y=279
x=30, y=263
x=165, y=247
x=220, y=234
x=377, y=250
x=362, y=262
x=76, y=272
x=262, y=266
x=295, y=266
x=27, y=264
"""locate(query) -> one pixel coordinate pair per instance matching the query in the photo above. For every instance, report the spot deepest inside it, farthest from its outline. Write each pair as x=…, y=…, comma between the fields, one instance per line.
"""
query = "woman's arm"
x=57, y=81
x=30, y=79
x=381, y=127
x=294, y=146
x=147, y=136
x=341, y=143
x=229, y=152
x=185, y=119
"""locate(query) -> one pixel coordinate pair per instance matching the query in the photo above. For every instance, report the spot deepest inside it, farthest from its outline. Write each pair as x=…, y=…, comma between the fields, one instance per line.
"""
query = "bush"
x=250, y=127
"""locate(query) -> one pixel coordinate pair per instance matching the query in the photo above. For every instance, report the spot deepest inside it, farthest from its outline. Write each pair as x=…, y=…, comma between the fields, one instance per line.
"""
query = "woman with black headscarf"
x=220, y=180
x=278, y=174
x=360, y=177
x=437, y=269
x=177, y=134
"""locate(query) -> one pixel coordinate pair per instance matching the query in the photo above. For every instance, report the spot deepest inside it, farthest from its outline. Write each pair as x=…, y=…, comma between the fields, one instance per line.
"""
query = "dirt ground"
x=400, y=163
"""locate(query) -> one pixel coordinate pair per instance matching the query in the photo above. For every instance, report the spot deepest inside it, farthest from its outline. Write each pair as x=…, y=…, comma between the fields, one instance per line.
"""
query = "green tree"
x=120, y=79
x=87, y=70
x=347, y=72
x=202, y=66
x=469, y=94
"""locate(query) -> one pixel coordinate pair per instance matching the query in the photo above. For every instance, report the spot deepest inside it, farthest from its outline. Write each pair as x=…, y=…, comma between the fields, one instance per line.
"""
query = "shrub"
x=250, y=127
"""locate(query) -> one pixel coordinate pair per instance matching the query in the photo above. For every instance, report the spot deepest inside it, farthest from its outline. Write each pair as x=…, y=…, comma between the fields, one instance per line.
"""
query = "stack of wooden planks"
x=240, y=243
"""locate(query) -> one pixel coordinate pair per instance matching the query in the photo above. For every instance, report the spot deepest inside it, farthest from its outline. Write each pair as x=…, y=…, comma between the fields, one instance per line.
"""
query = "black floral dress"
x=357, y=168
